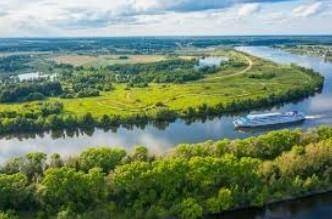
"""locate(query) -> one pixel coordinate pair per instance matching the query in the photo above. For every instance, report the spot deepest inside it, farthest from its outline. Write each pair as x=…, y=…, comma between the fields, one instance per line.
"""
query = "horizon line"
x=171, y=36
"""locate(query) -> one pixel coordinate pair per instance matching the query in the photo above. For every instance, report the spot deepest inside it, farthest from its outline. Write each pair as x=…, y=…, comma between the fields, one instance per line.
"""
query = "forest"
x=14, y=63
x=189, y=181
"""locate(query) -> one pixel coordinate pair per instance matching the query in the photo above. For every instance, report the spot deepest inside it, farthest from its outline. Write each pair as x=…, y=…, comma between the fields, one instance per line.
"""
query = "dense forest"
x=189, y=181
x=27, y=91
x=14, y=63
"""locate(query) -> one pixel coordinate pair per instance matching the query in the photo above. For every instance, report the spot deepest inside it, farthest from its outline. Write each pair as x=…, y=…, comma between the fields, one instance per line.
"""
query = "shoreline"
x=165, y=115
x=275, y=202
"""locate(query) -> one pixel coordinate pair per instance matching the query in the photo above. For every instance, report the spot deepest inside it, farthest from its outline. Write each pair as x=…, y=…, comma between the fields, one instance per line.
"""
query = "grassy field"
x=104, y=60
x=232, y=83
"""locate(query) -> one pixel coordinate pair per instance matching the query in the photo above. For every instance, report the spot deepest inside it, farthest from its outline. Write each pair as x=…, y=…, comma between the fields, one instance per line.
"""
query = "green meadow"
x=229, y=84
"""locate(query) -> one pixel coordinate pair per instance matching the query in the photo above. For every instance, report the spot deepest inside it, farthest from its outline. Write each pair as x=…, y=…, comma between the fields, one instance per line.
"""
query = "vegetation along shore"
x=150, y=89
x=189, y=181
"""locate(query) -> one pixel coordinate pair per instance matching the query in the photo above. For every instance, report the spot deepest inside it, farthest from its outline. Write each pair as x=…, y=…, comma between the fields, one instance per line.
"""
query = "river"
x=314, y=207
x=318, y=110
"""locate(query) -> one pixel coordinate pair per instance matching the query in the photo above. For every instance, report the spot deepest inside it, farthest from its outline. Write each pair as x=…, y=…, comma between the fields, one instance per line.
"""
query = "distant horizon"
x=168, y=36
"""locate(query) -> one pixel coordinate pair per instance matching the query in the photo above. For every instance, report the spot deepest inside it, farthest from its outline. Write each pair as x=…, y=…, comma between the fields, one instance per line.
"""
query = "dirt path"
x=250, y=64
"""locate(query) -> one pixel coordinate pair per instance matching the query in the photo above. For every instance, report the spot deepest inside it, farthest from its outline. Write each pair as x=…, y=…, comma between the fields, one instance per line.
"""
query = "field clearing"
x=104, y=60
x=230, y=84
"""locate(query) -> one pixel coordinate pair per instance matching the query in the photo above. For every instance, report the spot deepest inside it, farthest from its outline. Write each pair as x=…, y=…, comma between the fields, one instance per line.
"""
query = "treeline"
x=87, y=82
x=168, y=71
x=13, y=63
x=27, y=91
x=190, y=181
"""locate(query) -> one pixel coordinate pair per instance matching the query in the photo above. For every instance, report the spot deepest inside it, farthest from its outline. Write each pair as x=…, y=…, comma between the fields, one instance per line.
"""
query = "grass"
x=104, y=60
x=232, y=83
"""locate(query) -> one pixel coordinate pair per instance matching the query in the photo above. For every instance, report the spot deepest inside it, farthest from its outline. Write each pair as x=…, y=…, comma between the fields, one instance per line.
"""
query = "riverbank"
x=189, y=181
x=322, y=51
x=263, y=84
x=305, y=207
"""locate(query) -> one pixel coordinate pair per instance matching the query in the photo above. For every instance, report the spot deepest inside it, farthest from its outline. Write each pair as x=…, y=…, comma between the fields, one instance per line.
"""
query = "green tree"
x=223, y=201
x=66, y=188
x=190, y=209
x=140, y=153
x=55, y=161
x=35, y=165
x=103, y=157
x=15, y=192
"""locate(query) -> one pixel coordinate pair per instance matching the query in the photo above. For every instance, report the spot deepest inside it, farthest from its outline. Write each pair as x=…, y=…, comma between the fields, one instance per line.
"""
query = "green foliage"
x=28, y=91
x=174, y=70
x=189, y=182
x=140, y=153
x=264, y=75
x=14, y=63
x=15, y=193
x=223, y=201
x=190, y=209
x=141, y=102
x=65, y=187
x=105, y=158
x=5, y=215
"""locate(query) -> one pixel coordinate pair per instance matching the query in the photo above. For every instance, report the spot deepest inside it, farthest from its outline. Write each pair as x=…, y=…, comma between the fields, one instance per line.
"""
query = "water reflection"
x=161, y=136
x=211, y=61
x=315, y=207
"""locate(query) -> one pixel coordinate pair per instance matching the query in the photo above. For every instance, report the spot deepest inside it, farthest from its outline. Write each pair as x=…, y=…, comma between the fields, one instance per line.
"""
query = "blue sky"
x=29, y=18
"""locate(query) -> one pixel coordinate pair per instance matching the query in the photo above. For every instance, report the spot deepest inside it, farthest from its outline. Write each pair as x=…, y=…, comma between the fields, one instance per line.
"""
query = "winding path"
x=248, y=68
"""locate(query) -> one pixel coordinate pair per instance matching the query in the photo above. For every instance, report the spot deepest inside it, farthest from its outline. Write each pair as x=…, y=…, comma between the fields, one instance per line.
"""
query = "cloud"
x=82, y=14
x=149, y=17
x=308, y=10
x=91, y=18
x=201, y=5
x=248, y=9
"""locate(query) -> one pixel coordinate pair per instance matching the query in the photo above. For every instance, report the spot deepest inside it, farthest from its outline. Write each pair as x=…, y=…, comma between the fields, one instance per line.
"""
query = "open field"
x=104, y=60
x=230, y=84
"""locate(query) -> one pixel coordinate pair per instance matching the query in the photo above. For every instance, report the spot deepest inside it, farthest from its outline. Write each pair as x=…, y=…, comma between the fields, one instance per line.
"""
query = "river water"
x=318, y=110
x=314, y=207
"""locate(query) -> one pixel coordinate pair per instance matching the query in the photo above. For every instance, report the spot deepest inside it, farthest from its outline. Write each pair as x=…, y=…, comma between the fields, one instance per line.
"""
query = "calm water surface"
x=315, y=207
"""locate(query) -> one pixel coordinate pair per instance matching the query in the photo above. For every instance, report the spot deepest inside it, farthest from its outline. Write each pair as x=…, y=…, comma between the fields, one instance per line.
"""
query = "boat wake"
x=314, y=117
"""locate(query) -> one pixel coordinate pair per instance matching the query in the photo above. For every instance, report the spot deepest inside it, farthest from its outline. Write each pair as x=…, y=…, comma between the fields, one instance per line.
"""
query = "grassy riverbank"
x=189, y=181
x=254, y=83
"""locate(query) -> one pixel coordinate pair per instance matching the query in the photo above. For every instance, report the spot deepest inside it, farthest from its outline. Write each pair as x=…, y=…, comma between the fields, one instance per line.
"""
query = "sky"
x=72, y=18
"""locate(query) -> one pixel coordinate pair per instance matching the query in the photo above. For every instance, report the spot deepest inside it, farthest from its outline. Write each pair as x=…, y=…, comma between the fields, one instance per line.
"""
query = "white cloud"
x=308, y=10
x=248, y=9
x=156, y=17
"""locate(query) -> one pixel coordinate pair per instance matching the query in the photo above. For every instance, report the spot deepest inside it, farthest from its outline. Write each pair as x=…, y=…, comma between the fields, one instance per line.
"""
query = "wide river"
x=318, y=110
